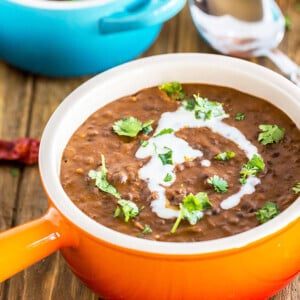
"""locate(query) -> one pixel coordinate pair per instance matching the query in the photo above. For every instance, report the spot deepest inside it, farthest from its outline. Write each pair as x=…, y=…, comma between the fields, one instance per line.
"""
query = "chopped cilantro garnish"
x=270, y=134
x=144, y=143
x=164, y=131
x=131, y=126
x=173, y=90
x=239, y=116
x=252, y=167
x=219, y=184
x=128, y=126
x=168, y=177
x=191, y=209
x=288, y=22
x=203, y=108
x=101, y=181
x=147, y=229
x=199, y=113
x=189, y=104
x=267, y=212
x=126, y=208
x=225, y=155
x=147, y=128
x=166, y=158
x=296, y=187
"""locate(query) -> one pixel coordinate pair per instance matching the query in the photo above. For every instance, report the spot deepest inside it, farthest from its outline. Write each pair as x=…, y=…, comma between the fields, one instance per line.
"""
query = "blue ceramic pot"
x=73, y=38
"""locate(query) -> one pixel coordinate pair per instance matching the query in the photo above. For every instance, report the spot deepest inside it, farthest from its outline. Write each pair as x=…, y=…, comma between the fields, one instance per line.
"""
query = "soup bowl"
x=73, y=38
x=251, y=265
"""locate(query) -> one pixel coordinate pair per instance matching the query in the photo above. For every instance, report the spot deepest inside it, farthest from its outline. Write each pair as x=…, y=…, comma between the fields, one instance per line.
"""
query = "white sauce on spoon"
x=154, y=172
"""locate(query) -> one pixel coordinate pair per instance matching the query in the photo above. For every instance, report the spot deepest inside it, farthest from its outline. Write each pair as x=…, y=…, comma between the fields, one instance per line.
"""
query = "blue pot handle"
x=152, y=13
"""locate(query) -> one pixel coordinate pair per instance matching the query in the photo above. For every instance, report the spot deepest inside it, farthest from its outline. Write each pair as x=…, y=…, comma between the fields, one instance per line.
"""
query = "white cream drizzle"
x=154, y=172
x=205, y=163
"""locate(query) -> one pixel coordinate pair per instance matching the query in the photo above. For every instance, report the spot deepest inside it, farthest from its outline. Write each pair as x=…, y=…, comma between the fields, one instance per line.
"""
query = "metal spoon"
x=244, y=31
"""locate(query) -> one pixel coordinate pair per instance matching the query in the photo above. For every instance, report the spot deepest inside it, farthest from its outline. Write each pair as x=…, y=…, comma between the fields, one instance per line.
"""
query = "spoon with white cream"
x=244, y=29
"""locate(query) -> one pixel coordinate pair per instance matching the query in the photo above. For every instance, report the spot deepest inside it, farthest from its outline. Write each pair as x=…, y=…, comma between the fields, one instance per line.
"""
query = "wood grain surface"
x=26, y=103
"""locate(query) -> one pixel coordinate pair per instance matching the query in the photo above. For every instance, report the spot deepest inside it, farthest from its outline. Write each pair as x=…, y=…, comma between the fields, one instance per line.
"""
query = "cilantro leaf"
x=146, y=127
x=173, y=89
x=239, y=116
x=267, y=212
x=144, y=143
x=203, y=108
x=191, y=209
x=288, y=22
x=225, y=155
x=164, y=131
x=166, y=158
x=147, y=229
x=189, y=104
x=131, y=126
x=270, y=134
x=126, y=208
x=296, y=187
x=220, y=185
x=252, y=167
x=168, y=177
x=128, y=126
x=101, y=181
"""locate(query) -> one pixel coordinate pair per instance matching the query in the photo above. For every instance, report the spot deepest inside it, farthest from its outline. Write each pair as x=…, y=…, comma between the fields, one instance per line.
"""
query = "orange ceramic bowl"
x=252, y=265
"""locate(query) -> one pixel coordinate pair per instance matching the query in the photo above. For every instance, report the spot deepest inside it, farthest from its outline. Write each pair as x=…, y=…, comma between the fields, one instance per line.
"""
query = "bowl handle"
x=155, y=12
x=26, y=244
x=298, y=224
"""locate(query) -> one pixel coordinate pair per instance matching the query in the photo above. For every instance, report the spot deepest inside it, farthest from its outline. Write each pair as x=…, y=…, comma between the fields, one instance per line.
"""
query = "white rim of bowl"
x=49, y=165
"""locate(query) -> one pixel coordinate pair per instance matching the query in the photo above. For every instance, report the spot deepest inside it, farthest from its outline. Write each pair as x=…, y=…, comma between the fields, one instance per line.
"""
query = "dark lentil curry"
x=200, y=184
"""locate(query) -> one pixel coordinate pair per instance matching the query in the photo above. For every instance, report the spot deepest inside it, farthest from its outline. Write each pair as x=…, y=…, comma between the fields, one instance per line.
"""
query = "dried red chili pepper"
x=24, y=150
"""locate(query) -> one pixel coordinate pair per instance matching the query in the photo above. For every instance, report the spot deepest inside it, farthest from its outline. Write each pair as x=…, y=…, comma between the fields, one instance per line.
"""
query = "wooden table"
x=26, y=103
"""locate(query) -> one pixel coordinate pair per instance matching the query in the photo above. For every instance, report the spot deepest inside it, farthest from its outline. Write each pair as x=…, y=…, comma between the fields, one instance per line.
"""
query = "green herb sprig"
x=147, y=229
x=126, y=208
x=288, y=22
x=267, y=212
x=270, y=134
x=219, y=184
x=164, y=131
x=225, y=155
x=252, y=167
x=144, y=143
x=239, y=116
x=296, y=187
x=191, y=209
x=168, y=177
x=173, y=89
x=203, y=108
x=132, y=127
x=101, y=180
x=167, y=157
